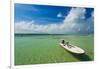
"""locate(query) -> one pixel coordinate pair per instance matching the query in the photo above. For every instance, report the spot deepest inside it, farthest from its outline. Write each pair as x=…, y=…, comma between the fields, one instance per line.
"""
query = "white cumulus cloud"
x=59, y=15
x=74, y=22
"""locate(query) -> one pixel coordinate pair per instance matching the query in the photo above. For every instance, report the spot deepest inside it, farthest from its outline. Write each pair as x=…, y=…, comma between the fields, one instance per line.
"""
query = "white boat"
x=72, y=49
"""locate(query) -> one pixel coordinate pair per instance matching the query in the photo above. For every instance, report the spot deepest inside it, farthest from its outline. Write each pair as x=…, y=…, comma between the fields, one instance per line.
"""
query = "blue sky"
x=40, y=13
x=31, y=18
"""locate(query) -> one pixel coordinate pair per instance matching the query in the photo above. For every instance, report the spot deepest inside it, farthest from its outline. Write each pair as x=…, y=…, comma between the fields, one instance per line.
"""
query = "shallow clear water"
x=40, y=49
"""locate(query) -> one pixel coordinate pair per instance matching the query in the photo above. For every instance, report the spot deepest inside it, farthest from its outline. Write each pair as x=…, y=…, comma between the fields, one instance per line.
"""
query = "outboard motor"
x=63, y=41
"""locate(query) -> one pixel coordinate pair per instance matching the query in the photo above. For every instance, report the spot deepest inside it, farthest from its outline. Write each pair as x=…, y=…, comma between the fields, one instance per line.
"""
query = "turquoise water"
x=41, y=49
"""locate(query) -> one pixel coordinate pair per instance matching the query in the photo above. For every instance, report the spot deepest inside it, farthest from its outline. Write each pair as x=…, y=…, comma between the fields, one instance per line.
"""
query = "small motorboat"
x=72, y=48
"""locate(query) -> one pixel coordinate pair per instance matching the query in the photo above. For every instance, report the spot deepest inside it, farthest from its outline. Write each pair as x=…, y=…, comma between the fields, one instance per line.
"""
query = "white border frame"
x=74, y=3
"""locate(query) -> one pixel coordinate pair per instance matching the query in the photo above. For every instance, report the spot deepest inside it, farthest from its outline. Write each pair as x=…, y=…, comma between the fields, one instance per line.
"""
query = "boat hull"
x=73, y=49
